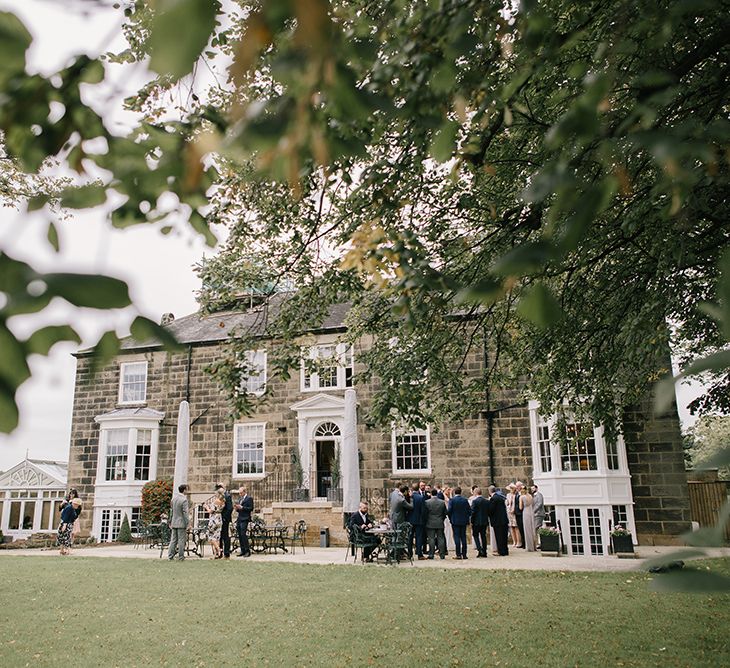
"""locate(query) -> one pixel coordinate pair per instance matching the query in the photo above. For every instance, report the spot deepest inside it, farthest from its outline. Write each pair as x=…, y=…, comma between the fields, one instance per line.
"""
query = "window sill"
x=120, y=483
x=323, y=389
x=409, y=474
x=131, y=404
x=248, y=476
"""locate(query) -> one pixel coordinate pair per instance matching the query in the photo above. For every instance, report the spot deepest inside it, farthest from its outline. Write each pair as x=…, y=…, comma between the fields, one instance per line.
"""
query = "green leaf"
x=42, y=340
x=8, y=409
x=13, y=364
x=669, y=557
x=664, y=394
x=691, y=582
x=83, y=197
x=144, y=329
x=486, y=291
x=52, y=236
x=664, y=389
x=524, y=259
x=37, y=202
x=14, y=41
x=723, y=293
x=539, y=306
x=716, y=461
x=93, y=72
x=180, y=31
x=443, y=78
x=89, y=290
x=444, y=141
x=104, y=351
x=200, y=224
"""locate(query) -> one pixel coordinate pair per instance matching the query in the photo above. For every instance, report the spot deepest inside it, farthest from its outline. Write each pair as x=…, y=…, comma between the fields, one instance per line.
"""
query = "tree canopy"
x=553, y=174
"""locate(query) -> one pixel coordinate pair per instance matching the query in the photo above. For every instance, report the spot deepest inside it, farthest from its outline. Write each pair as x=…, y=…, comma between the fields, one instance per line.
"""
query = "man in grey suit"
x=435, y=516
x=538, y=504
x=400, y=506
x=179, y=521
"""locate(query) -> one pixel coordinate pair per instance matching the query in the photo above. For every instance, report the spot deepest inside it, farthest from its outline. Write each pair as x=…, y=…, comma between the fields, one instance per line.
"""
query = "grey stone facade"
x=459, y=451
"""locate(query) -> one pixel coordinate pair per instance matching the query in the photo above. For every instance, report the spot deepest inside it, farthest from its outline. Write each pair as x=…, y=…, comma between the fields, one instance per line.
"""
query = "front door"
x=325, y=454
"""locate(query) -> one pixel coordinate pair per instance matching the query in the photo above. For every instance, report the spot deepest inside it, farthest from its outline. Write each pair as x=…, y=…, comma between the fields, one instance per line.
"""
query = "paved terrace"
x=517, y=559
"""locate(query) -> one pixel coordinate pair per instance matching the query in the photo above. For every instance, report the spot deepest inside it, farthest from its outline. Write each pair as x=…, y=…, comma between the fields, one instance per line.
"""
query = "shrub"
x=548, y=531
x=156, y=499
x=125, y=533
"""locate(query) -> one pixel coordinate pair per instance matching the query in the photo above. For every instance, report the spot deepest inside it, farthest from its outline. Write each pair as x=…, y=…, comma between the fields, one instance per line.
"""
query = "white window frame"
x=120, y=397
x=131, y=429
x=234, y=470
x=345, y=356
x=251, y=364
x=400, y=431
x=601, y=449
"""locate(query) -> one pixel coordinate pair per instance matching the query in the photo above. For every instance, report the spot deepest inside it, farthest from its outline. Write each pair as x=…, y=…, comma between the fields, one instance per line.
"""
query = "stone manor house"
x=125, y=418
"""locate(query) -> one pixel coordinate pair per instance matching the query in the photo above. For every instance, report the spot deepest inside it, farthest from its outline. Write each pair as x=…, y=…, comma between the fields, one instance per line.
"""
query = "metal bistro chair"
x=358, y=540
x=299, y=534
x=257, y=535
x=401, y=543
x=162, y=537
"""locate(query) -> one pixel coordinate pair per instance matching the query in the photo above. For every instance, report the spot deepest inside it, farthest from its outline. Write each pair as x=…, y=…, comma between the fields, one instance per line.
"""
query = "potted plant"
x=621, y=540
x=334, y=493
x=549, y=541
x=299, y=493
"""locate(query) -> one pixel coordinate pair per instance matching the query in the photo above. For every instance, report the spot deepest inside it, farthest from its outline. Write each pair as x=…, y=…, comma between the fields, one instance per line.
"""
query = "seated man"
x=361, y=521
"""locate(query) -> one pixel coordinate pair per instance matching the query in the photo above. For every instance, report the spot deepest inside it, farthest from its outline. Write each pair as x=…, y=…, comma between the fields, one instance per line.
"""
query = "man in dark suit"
x=400, y=506
x=498, y=519
x=226, y=516
x=480, y=521
x=435, y=516
x=244, y=506
x=417, y=518
x=361, y=521
x=459, y=513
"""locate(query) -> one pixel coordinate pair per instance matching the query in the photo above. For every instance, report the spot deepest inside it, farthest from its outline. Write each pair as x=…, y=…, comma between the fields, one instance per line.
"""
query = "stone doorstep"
x=627, y=555
x=550, y=553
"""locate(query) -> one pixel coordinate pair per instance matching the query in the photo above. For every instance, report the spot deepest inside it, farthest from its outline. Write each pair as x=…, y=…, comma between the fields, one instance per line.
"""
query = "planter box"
x=300, y=494
x=622, y=545
x=550, y=546
x=334, y=495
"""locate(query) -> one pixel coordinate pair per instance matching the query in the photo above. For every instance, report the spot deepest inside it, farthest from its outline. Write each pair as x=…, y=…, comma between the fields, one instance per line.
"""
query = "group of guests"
x=440, y=516
x=69, y=525
x=220, y=516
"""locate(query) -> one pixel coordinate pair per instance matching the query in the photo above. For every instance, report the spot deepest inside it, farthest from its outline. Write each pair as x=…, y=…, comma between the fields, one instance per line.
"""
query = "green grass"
x=129, y=612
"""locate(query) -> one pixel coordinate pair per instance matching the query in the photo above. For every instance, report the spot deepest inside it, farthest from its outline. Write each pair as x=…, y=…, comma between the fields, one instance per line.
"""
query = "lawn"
x=130, y=612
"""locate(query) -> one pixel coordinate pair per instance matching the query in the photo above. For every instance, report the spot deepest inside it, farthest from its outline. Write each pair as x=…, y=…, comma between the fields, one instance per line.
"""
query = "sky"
x=158, y=269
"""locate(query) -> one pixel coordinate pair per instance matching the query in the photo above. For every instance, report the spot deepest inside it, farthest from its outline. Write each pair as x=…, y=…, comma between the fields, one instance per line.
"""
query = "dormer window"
x=133, y=383
x=329, y=366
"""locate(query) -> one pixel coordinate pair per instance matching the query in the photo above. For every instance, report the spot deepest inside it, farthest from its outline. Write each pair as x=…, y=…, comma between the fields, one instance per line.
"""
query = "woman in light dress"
x=215, y=525
x=448, y=532
x=512, y=498
x=528, y=519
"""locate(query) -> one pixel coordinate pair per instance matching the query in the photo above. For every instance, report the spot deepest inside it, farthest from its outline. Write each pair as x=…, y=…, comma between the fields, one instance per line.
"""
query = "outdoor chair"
x=162, y=537
x=299, y=534
x=401, y=543
x=358, y=540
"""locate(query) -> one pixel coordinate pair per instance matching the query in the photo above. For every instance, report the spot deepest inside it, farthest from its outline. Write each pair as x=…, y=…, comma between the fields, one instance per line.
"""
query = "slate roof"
x=209, y=328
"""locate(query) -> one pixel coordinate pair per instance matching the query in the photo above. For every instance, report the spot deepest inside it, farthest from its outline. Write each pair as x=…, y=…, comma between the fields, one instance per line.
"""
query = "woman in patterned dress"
x=512, y=499
x=215, y=524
